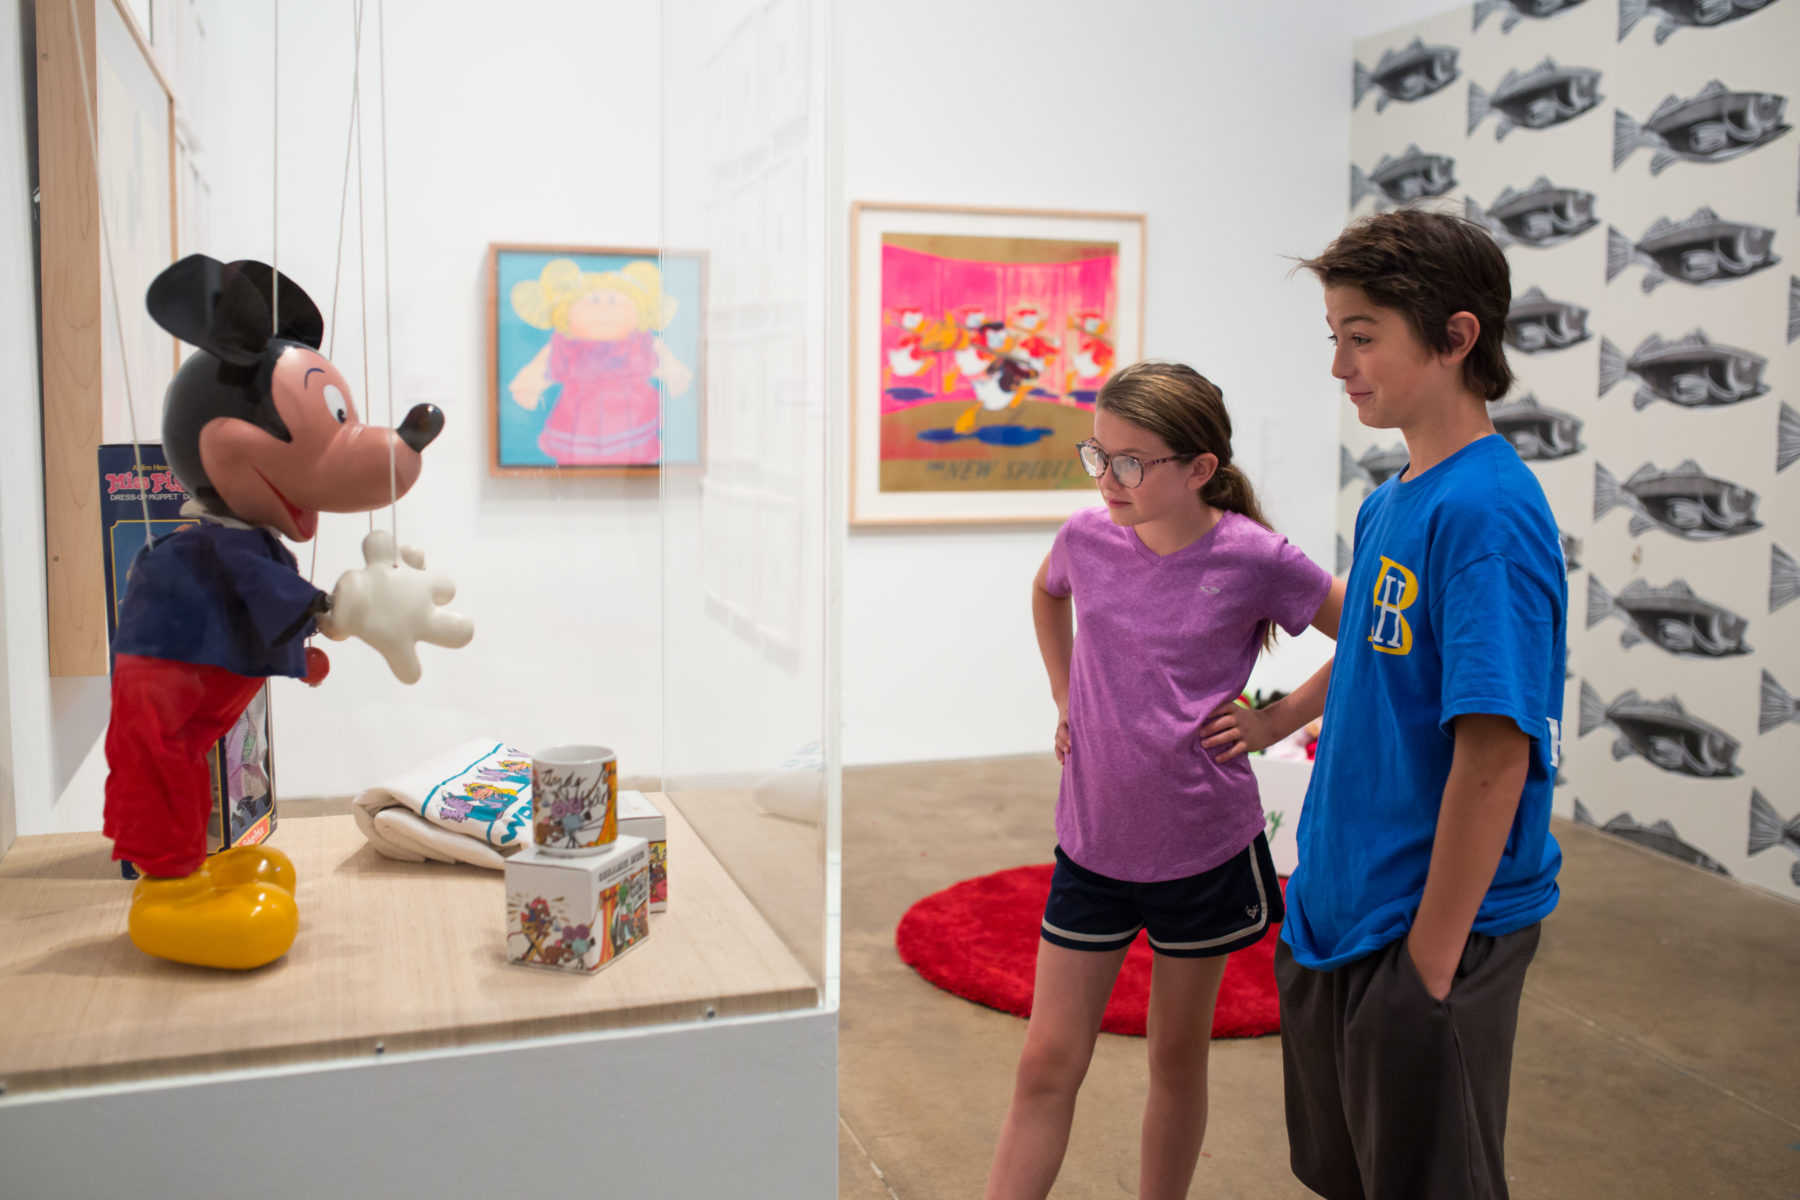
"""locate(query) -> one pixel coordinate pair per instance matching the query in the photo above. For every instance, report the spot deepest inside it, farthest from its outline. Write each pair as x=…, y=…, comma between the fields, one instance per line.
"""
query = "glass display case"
x=596, y=240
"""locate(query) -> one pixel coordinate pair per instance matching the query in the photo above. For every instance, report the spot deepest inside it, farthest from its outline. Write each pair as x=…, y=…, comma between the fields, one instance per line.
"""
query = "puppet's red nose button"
x=317, y=667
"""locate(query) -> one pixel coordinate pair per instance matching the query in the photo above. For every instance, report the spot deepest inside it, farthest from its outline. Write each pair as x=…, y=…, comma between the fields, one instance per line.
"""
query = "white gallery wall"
x=491, y=140
x=520, y=138
x=22, y=657
x=1226, y=124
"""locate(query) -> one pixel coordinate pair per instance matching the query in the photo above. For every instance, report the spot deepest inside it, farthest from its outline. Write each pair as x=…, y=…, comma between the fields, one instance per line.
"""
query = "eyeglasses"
x=1127, y=470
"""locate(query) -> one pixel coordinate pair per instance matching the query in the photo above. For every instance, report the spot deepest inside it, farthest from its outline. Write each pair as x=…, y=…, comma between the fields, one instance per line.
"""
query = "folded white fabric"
x=468, y=805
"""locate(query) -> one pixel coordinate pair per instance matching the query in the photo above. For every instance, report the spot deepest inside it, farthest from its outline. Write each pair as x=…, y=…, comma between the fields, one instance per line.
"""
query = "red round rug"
x=978, y=939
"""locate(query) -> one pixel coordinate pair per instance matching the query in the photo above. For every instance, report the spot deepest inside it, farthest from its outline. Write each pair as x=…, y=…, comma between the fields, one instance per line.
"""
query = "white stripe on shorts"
x=1261, y=922
x=1091, y=937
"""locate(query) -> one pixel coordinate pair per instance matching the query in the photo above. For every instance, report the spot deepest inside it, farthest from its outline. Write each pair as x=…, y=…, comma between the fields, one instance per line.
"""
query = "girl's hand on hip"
x=1062, y=733
x=1233, y=730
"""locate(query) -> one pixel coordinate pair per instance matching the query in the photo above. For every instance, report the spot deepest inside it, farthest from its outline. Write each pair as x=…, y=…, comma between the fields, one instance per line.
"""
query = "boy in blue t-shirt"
x=1426, y=861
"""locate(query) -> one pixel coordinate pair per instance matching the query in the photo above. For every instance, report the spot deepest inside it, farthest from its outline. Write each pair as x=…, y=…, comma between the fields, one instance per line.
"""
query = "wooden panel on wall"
x=69, y=232
x=75, y=344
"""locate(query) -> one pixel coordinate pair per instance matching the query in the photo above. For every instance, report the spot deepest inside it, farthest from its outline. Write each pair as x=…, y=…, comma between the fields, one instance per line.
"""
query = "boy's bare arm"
x=1481, y=798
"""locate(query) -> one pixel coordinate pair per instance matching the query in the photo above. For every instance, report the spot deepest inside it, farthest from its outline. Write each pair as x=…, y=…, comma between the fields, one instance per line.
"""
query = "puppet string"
x=275, y=178
x=362, y=261
x=112, y=279
x=387, y=295
x=337, y=270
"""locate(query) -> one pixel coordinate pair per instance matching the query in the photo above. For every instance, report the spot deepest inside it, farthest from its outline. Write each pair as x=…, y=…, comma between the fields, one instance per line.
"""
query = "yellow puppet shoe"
x=252, y=864
x=194, y=921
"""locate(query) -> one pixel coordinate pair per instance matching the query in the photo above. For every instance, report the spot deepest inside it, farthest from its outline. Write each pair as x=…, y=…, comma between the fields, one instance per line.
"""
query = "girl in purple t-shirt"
x=1180, y=584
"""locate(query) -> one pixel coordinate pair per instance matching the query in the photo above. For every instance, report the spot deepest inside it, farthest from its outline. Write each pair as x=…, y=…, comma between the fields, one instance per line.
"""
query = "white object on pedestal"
x=1283, y=787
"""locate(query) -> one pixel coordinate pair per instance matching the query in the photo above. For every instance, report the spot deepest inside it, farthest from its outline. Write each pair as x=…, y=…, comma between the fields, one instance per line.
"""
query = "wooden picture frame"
x=979, y=337
x=641, y=406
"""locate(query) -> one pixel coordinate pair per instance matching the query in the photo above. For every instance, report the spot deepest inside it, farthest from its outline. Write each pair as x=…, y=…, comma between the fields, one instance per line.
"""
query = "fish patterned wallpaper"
x=1636, y=159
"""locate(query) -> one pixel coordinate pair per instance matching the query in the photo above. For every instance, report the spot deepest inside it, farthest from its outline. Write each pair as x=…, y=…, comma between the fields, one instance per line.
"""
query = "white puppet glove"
x=394, y=605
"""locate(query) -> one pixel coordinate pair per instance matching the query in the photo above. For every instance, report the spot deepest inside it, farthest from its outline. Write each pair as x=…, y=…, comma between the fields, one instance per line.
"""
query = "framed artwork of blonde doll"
x=594, y=359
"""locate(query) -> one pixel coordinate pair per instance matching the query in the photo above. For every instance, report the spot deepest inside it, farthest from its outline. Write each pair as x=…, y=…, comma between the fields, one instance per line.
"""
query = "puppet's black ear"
x=224, y=308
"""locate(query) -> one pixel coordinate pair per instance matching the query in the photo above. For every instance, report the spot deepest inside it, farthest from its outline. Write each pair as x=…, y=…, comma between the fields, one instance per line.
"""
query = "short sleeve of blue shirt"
x=1497, y=636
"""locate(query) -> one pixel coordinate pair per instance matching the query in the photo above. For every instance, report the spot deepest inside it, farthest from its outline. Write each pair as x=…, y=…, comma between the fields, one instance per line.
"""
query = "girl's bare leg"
x=1183, y=992
x=1070, y=997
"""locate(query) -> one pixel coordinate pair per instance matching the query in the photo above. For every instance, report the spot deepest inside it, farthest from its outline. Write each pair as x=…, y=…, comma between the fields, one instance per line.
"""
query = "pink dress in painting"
x=609, y=411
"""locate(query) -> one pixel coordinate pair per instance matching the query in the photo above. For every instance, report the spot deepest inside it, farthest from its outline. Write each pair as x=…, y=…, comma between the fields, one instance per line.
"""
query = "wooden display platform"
x=391, y=956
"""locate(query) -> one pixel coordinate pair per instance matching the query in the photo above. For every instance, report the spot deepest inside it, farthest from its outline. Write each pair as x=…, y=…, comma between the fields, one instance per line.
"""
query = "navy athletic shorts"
x=1212, y=913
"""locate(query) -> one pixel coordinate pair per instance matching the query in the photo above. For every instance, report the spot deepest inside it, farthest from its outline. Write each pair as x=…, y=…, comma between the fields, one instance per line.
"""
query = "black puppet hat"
x=228, y=310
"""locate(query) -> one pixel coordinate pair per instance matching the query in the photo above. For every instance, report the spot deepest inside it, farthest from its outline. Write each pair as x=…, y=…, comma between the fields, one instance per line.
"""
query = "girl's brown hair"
x=1187, y=411
x=1427, y=265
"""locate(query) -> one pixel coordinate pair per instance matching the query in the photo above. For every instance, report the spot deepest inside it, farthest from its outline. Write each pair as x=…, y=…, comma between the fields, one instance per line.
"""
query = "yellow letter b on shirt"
x=1395, y=590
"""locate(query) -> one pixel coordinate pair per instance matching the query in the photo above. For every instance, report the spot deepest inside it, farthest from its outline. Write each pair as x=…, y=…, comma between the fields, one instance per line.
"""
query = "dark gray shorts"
x=1391, y=1094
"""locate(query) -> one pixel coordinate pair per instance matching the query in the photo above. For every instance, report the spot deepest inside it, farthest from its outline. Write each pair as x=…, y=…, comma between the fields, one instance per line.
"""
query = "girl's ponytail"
x=1230, y=489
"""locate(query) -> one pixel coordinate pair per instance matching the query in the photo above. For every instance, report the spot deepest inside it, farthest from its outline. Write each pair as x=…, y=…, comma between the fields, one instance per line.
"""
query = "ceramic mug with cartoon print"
x=575, y=799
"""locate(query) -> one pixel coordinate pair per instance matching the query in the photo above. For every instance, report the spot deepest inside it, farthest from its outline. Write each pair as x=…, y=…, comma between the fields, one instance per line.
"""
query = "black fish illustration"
x=1775, y=707
x=1539, y=434
x=1413, y=175
x=1705, y=249
x=1518, y=10
x=1412, y=73
x=1793, y=307
x=1571, y=549
x=1344, y=556
x=1701, y=14
x=1691, y=371
x=1662, y=733
x=1660, y=837
x=1535, y=323
x=1544, y=96
x=1542, y=215
x=1784, y=578
x=1686, y=502
x=1670, y=617
x=1712, y=126
x=1787, y=437
x=1374, y=468
x=1768, y=830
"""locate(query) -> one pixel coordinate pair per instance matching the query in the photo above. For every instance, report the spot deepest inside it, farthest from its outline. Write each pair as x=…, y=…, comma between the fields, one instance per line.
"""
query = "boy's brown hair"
x=1427, y=266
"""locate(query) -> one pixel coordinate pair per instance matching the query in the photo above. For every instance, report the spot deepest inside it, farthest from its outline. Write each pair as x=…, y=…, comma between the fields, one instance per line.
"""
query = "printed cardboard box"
x=577, y=913
x=640, y=818
x=242, y=763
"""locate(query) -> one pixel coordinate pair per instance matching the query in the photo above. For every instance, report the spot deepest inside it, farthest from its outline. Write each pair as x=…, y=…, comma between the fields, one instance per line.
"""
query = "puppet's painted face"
x=334, y=462
x=603, y=316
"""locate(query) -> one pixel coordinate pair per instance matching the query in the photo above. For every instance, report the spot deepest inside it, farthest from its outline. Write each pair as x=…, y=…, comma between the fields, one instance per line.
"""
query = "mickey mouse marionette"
x=261, y=431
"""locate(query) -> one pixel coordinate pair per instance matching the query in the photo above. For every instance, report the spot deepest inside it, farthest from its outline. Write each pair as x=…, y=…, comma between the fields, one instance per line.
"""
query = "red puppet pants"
x=166, y=716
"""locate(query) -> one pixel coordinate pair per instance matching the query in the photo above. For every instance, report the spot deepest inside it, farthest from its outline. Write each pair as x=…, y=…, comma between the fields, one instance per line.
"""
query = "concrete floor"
x=1656, y=1054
